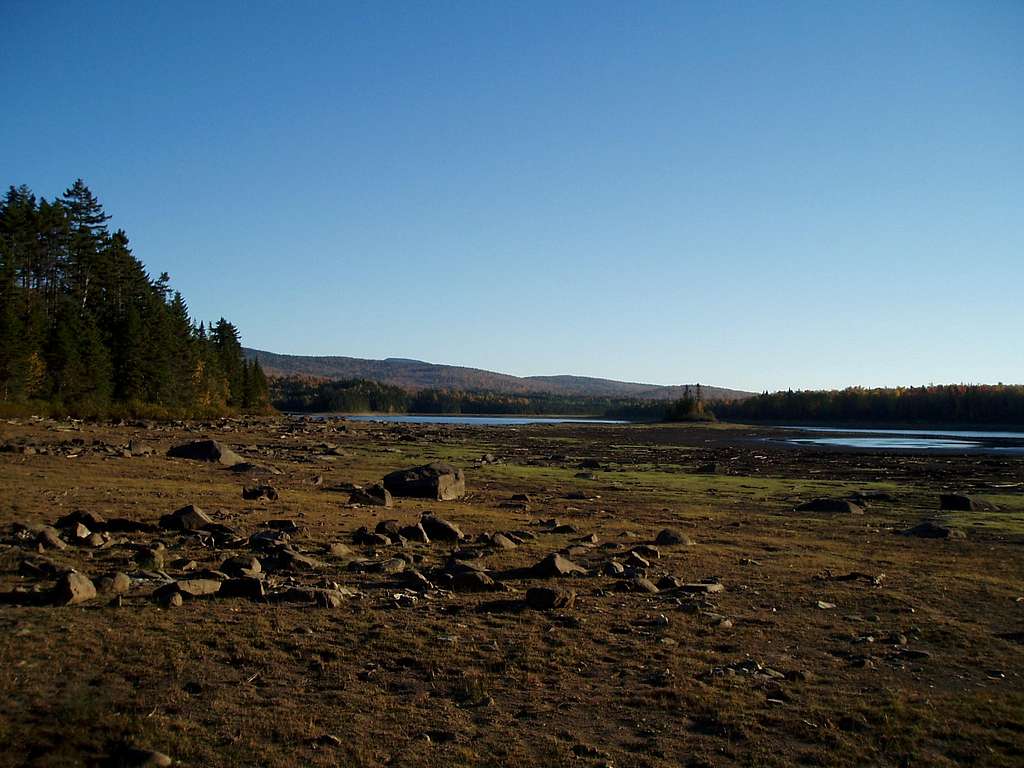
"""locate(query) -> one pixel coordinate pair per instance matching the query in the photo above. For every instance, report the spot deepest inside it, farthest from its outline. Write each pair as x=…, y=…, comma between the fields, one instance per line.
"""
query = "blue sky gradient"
x=754, y=195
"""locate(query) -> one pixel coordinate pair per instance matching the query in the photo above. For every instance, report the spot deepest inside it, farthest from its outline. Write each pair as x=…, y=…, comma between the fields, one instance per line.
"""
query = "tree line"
x=980, y=404
x=85, y=330
x=954, y=404
x=305, y=395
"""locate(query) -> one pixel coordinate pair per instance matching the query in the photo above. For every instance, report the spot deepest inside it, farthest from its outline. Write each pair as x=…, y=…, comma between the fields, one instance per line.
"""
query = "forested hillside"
x=415, y=375
x=85, y=330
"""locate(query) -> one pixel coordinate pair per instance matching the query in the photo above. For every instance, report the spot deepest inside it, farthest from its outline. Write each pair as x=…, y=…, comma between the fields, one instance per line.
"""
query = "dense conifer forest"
x=964, y=404
x=303, y=395
x=85, y=330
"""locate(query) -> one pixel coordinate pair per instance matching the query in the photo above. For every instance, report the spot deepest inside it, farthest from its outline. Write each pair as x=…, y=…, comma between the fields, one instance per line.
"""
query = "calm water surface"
x=914, y=439
x=915, y=432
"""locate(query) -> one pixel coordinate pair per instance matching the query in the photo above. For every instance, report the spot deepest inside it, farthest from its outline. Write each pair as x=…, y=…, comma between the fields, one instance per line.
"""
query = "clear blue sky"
x=755, y=195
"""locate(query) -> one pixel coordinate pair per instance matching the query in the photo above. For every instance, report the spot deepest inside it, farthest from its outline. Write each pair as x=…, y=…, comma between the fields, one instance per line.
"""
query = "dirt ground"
x=833, y=641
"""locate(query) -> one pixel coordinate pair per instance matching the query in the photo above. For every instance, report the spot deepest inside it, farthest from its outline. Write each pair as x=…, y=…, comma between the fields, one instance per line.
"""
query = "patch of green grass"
x=1004, y=521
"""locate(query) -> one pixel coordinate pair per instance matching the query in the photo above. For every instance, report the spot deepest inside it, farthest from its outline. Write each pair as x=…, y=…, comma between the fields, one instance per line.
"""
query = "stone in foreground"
x=132, y=757
x=959, y=502
x=439, y=481
x=189, y=518
x=439, y=529
x=375, y=495
x=670, y=536
x=548, y=598
x=703, y=587
x=932, y=529
x=838, y=506
x=554, y=565
x=73, y=588
x=188, y=587
x=206, y=450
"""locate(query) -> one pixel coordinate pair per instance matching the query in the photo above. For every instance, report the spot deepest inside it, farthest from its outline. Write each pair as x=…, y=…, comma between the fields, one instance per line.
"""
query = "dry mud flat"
x=273, y=631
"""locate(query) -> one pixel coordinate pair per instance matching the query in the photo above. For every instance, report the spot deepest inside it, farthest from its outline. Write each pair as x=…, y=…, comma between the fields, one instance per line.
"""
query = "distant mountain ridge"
x=414, y=375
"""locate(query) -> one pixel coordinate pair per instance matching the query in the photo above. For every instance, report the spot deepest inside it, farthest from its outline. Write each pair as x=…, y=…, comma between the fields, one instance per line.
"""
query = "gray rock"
x=390, y=528
x=191, y=588
x=440, y=529
x=243, y=586
x=150, y=558
x=119, y=584
x=671, y=536
x=339, y=550
x=73, y=588
x=554, y=566
x=501, y=541
x=331, y=598
x=49, y=538
x=206, y=450
x=638, y=584
x=391, y=565
x=375, y=496
x=261, y=492
x=634, y=560
x=959, y=502
x=703, y=587
x=932, y=529
x=439, y=481
x=139, y=448
x=290, y=560
x=837, y=506
x=647, y=552
x=91, y=520
x=548, y=598
x=416, y=580
x=614, y=568
x=241, y=565
x=140, y=758
x=364, y=537
x=415, y=533
x=188, y=518
x=474, y=581
x=268, y=539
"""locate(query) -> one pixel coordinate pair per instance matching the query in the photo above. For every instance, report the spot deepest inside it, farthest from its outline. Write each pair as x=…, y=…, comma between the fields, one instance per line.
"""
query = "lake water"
x=916, y=432
x=482, y=421
x=914, y=439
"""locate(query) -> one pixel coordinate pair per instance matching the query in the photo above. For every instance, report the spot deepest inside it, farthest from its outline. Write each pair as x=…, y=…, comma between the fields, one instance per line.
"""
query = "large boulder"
x=375, y=495
x=837, y=506
x=932, y=529
x=670, y=536
x=431, y=481
x=259, y=492
x=190, y=588
x=959, y=502
x=548, y=598
x=206, y=450
x=554, y=566
x=73, y=588
x=91, y=520
x=189, y=518
x=439, y=529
